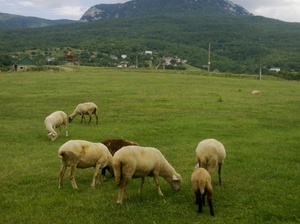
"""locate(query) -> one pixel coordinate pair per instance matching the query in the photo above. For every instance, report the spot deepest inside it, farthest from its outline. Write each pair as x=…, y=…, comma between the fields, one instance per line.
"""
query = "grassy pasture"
x=168, y=110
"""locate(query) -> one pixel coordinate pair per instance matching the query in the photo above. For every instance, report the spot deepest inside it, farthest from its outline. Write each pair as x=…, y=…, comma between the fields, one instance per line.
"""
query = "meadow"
x=172, y=111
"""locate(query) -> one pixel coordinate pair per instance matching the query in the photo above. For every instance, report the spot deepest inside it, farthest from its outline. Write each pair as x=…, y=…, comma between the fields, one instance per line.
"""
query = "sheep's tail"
x=202, y=185
x=117, y=165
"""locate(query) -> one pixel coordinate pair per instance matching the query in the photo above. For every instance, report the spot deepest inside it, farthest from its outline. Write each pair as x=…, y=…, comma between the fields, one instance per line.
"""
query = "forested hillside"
x=10, y=21
x=238, y=44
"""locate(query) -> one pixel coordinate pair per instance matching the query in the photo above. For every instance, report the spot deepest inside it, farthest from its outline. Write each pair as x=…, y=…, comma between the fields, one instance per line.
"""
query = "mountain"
x=142, y=8
x=10, y=21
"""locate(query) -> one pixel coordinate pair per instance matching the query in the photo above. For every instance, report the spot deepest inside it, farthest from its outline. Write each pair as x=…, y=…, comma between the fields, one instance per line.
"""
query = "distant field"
x=172, y=111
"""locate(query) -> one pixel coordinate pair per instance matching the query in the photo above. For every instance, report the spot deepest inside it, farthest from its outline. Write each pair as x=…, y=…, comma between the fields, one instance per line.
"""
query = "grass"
x=170, y=110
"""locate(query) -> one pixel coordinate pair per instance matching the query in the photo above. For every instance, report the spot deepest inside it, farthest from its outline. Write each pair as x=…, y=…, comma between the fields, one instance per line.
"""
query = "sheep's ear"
x=174, y=177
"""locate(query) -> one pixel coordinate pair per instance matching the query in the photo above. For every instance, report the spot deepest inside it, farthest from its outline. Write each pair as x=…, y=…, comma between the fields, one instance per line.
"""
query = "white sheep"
x=82, y=109
x=56, y=120
x=139, y=162
x=209, y=154
x=83, y=154
x=256, y=92
x=201, y=186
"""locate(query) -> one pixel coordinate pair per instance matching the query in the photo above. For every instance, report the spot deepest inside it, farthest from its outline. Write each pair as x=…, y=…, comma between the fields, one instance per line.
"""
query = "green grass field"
x=172, y=111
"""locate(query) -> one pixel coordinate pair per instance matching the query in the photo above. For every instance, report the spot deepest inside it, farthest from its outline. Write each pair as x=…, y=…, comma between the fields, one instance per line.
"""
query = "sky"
x=285, y=10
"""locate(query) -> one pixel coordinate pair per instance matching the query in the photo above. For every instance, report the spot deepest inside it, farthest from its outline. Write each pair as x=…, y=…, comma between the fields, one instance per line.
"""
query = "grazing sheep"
x=83, y=154
x=114, y=145
x=256, y=92
x=56, y=120
x=209, y=154
x=139, y=162
x=82, y=109
x=201, y=185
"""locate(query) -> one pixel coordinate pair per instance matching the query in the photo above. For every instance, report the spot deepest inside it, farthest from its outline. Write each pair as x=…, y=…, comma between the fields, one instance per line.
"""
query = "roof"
x=26, y=61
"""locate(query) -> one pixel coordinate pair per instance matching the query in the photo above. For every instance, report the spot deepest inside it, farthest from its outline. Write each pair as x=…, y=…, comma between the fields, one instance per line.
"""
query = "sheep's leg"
x=72, y=177
x=120, y=195
x=141, y=186
x=219, y=172
x=126, y=193
x=157, y=185
x=209, y=200
x=66, y=129
x=103, y=173
x=82, y=118
x=203, y=198
x=61, y=175
x=200, y=204
x=111, y=171
x=96, y=118
x=59, y=130
x=96, y=170
x=90, y=117
x=198, y=200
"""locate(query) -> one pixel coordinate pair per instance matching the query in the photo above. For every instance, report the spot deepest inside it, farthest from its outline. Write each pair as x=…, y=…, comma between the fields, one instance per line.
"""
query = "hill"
x=142, y=8
x=10, y=21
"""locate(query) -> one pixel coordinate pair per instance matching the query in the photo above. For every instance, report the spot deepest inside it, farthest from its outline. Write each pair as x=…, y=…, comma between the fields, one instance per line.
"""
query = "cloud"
x=25, y=3
x=69, y=11
x=286, y=10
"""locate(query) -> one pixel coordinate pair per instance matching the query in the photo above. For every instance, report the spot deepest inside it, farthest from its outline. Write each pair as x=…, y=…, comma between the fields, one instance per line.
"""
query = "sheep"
x=256, y=92
x=209, y=154
x=139, y=162
x=56, y=120
x=82, y=109
x=201, y=186
x=83, y=154
x=113, y=145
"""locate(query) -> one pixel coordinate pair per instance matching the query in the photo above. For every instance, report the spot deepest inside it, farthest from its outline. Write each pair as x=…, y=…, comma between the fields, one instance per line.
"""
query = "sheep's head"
x=70, y=119
x=52, y=136
x=176, y=182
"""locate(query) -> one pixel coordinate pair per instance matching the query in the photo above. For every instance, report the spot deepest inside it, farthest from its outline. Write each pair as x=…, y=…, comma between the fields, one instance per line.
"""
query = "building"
x=275, y=69
x=24, y=64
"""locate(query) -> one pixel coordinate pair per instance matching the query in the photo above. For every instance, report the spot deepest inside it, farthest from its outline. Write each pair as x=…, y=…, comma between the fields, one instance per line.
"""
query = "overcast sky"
x=286, y=10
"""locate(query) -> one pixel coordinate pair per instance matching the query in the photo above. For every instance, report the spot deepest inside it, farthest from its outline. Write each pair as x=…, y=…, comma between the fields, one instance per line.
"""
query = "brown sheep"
x=113, y=145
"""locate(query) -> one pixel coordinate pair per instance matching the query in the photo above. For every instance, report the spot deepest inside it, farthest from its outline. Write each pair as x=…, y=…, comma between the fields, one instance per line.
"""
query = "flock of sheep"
x=126, y=159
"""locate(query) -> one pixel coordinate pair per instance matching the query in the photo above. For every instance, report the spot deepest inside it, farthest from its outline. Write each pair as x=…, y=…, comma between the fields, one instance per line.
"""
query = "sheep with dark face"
x=82, y=109
x=201, y=186
x=56, y=120
x=139, y=162
x=113, y=145
x=209, y=154
x=83, y=154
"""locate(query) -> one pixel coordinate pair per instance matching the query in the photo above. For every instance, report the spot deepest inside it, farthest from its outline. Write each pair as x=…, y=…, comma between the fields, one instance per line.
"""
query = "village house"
x=275, y=69
x=123, y=64
x=24, y=64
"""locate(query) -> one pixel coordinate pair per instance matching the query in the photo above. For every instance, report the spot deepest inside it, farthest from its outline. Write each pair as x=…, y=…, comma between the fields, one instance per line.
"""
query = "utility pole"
x=259, y=60
x=208, y=64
